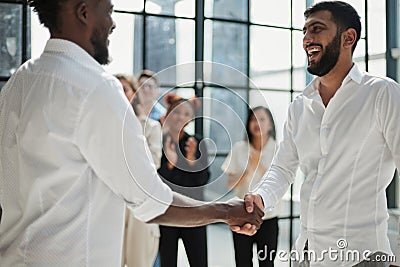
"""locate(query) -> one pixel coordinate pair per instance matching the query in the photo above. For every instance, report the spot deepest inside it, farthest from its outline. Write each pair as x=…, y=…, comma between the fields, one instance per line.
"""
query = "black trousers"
x=266, y=239
x=194, y=240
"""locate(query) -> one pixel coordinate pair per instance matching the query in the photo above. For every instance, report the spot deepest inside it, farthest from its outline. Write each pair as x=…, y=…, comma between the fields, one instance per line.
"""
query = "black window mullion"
x=25, y=29
x=144, y=21
x=366, y=35
x=199, y=58
x=248, y=54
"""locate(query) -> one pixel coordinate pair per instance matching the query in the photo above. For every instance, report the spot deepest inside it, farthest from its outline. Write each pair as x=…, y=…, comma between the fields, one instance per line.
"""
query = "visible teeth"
x=313, y=50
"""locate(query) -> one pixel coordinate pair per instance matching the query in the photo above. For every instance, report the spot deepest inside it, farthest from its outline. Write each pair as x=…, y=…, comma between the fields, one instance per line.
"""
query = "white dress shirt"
x=237, y=161
x=72, y=156
x=348, y=152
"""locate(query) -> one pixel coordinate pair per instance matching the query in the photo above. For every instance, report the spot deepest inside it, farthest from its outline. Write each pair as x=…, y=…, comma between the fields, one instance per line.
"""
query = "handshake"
x=249, y=222
x=242, y=216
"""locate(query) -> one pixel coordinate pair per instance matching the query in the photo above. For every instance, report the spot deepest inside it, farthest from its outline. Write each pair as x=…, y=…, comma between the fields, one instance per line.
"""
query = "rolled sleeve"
x=156, y=204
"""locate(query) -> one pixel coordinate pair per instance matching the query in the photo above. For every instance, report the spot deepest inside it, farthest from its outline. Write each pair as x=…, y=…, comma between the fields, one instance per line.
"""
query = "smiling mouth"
x=313, y=51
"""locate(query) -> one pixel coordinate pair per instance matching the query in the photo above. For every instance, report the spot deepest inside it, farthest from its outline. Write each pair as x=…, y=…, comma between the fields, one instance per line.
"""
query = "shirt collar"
x=354, y=74
x=73, y=51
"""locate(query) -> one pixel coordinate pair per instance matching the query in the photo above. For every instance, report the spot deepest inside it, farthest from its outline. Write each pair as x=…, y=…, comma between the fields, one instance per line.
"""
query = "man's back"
x=50, y=195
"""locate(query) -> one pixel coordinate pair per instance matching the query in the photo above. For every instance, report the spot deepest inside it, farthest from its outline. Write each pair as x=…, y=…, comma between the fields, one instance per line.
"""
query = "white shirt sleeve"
x=111, y=139
x=389, y=118
x=281, y=174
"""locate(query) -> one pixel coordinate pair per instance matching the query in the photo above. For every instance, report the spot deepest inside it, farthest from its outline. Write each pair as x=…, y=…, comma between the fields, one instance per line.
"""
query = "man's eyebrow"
x=313, y=24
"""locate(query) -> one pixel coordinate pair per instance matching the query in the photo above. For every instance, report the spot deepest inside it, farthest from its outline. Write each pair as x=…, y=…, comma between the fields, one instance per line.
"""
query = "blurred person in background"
x=148, y=93
x=245, y=165
x=141, y=239
x=184, y=167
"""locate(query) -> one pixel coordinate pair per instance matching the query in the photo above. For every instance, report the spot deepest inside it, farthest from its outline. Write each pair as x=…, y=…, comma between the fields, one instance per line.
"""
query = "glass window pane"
x=377, y=67
x=170, y=43
x=181, y=8
x=39, y=36
x=10, y=38
x=299, y=6
x=270, y=12
x=225, y=112
x=136, y=5
x=296, y=230
x=225, y=43
x=123, y=42
x=376, y=27
x=362, y=66
x=299, y=78
x=299, y=55
x=227, y=9
x=283, y=241
x=359, y=53
x=270, y=60
x=299, y=62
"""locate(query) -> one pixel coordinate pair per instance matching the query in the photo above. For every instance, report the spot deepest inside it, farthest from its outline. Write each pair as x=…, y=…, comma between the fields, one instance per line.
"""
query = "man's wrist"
x=221, y=211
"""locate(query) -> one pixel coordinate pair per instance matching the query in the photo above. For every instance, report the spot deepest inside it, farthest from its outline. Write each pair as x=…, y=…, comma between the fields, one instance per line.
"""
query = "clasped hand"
x=244, y=217
x=250, y=228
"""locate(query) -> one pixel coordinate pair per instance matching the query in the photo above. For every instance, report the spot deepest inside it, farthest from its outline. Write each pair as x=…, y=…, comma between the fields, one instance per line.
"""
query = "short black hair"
x=48, y=12
x=343, y=14
x=250, y=115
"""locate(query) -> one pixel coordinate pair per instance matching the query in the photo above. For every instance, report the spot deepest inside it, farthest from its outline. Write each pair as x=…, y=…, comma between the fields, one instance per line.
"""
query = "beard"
x=328, y=59
x=101, y=54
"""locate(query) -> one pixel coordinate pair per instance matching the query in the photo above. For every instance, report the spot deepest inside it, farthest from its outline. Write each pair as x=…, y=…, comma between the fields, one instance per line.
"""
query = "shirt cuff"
x=156, y=204
x=265, y=197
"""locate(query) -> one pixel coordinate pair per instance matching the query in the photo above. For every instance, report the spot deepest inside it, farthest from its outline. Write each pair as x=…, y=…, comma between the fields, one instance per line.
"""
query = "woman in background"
x=141, y=240
x=184, y=167
x=245, y=166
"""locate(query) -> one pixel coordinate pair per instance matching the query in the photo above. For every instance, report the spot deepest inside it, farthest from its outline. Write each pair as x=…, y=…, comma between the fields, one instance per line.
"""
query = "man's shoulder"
x=375, y=81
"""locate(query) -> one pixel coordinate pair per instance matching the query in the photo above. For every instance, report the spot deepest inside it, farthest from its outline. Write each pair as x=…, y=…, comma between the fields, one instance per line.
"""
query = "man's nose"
x=307, y=39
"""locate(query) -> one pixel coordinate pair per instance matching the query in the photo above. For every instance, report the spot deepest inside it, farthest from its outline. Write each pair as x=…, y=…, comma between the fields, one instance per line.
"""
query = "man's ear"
x=349, y=38
x=81, y=12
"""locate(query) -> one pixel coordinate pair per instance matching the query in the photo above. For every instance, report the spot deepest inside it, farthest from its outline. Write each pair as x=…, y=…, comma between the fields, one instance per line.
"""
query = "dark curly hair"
x=48, y=12
x=343, y=14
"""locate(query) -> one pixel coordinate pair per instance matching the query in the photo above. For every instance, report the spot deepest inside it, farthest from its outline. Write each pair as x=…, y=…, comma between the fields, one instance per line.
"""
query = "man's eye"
x=316, y=28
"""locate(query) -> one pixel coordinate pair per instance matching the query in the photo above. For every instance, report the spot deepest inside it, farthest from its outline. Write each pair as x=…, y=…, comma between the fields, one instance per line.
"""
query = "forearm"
x=273, y=186
x=187, y=212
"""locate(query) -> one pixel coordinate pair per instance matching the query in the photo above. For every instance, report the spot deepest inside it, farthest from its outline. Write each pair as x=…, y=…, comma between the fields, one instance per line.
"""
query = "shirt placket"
x=324, y=130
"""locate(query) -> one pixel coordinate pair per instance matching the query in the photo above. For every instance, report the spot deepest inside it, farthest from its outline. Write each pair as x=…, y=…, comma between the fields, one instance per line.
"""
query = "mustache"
x=313, y=44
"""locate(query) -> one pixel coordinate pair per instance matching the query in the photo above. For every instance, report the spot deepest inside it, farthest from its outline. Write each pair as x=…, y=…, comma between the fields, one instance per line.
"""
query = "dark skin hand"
x=252, y=202
x=187, y=212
